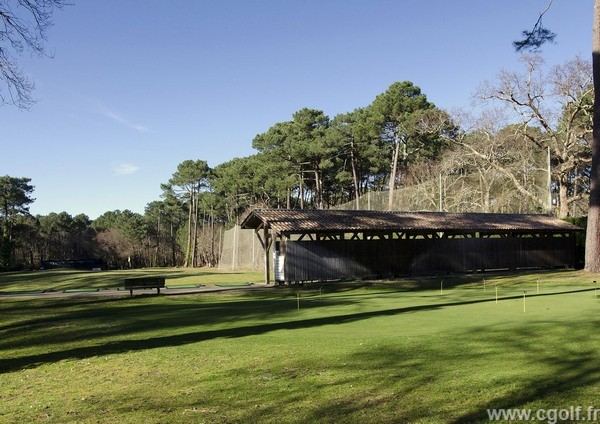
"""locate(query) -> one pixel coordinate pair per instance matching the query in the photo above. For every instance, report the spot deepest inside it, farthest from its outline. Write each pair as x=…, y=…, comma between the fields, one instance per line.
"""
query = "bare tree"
x=533, y=40
x=23, y=27
x=558, y=103
x=115, y=249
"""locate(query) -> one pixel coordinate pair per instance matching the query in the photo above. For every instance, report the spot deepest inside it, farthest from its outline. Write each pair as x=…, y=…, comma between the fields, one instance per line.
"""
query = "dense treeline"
x=529, y=151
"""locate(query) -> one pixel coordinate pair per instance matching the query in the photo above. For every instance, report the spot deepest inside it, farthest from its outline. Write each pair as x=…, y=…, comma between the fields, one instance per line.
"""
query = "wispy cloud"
x=117, y=118
x=125, y=169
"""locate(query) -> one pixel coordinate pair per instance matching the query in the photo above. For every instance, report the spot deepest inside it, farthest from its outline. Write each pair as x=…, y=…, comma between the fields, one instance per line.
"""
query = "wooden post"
x=253, y=254
x=301, y=187
x=266, y=246
x=235, y=247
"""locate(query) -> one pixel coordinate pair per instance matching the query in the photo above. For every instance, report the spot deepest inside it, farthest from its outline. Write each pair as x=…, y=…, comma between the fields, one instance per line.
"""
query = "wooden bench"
x=144, y=283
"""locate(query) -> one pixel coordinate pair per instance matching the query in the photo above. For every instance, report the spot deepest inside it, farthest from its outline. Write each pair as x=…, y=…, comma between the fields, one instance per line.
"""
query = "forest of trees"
x=526, y=150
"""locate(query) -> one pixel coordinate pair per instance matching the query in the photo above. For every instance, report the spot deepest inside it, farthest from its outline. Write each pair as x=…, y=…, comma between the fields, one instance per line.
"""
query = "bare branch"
x=535, y=38
x=23, y=26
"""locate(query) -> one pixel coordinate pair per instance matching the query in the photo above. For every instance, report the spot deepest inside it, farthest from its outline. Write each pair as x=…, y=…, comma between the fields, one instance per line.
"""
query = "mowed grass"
x=63, y=279
x=398, y=351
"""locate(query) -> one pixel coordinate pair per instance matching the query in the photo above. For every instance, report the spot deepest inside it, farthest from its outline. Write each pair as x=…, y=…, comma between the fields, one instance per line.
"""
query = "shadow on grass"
x=109, y=319
x=450, y=281
x=68, y=278
x=565, y=368
x=432, y=382
x=453, y=379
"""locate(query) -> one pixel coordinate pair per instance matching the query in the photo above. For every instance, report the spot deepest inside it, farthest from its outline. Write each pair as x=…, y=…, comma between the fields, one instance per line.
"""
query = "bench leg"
x=158, y=290
x=131, y=292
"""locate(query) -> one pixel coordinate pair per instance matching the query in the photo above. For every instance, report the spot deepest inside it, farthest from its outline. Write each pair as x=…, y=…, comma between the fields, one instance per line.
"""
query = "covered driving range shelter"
x=312, y=245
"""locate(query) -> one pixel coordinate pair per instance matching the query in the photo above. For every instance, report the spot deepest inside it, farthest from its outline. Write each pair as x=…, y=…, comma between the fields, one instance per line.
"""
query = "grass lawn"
x=402, y=351
x=63, y=279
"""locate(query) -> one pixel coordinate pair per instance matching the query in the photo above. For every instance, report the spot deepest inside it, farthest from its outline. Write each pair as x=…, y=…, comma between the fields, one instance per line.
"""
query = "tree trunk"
x=301, y=189
x=592, y=243
x=172, y=234
x=212, y=238
x=318, y=190
x=157, y=253
x=5, y=247
x=354, y=176
x=195, y=233
x=549, y=182
x=563, y=199
x=394, y=170
x=485, y=192
x=188, y=246
x=31, y=259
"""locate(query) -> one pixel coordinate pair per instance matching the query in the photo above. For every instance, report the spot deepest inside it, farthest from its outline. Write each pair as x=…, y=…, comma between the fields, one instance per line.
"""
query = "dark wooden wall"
x=333, y=259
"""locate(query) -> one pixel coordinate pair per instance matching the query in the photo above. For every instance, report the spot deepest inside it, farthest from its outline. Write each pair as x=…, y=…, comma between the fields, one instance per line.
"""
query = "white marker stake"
x=442, y=287
x=538, y=286
x=524, y=301
x=496, y=295
x=298, y=298
x=484, y=283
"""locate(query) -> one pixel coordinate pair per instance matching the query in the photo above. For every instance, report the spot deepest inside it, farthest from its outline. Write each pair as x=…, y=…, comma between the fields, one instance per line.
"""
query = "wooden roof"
x=294, y=221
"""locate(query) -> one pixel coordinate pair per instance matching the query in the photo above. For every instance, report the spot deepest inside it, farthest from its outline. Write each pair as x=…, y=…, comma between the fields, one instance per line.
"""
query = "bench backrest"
x=145, y=282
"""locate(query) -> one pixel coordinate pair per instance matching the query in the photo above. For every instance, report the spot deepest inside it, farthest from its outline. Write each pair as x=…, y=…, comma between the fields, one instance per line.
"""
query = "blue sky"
x=138, y=86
